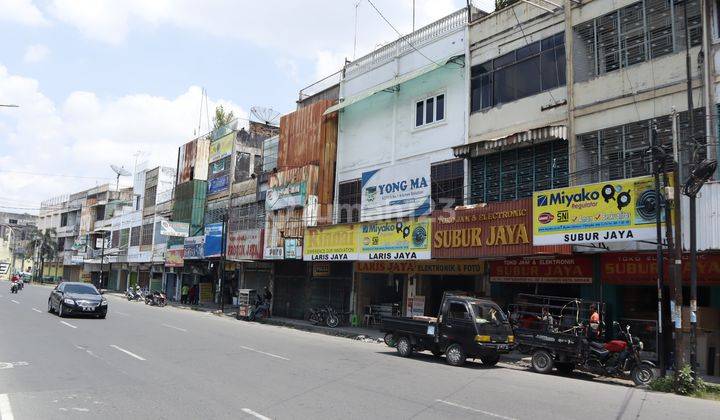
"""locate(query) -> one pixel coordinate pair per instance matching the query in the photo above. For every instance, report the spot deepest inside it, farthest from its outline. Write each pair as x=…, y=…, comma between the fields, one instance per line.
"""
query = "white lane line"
x=5, y=408
x=37, y=310
x=475, y=410
x=68, y=324
x=265, y=353
x=14, y=301
x=127, y=352
x=255, y=414
x=175, y=328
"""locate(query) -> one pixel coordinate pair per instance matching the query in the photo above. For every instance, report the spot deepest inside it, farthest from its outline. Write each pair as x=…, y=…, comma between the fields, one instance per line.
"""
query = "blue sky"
x=98, y=80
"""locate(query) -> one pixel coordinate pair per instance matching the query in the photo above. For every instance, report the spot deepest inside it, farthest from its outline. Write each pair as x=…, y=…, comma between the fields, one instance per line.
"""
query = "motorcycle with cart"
x=557, y=333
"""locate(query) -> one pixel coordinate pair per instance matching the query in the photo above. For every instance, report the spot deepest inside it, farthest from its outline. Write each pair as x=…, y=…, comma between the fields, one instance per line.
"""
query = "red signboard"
x=574, y=269
x=641, y=268
x=488, y=230
x=245, y=245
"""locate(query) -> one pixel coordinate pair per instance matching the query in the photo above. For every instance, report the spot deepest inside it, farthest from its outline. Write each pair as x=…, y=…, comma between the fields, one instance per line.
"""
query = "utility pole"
x=102, y=259
x=676, y=305
x=222, y=261
x=659, y=251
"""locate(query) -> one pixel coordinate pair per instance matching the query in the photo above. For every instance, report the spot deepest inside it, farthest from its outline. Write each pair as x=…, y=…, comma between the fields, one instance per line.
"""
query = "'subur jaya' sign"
x=613, y=211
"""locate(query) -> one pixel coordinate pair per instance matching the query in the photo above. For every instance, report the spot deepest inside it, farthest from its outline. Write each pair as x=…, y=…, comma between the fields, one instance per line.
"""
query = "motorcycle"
x=14, y=287
x=619, y=358
x=132, y=295
x=324, y=315
x=259, y=310
x=155, y=298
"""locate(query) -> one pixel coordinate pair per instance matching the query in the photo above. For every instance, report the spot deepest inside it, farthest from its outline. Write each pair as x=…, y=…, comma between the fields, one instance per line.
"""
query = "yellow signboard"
x=395, y=240
x=337, y=242
x=221, y=147
x=612, y=211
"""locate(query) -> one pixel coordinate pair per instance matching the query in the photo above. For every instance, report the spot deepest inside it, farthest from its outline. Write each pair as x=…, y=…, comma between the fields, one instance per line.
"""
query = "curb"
x=320, y=330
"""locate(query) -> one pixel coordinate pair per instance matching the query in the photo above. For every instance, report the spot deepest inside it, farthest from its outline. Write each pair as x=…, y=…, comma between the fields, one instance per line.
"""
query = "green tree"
x=44, y=245
x=222, y=117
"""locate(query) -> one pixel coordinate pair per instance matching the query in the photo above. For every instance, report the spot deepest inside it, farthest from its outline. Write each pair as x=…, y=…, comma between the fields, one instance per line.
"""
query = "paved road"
x=168, y=363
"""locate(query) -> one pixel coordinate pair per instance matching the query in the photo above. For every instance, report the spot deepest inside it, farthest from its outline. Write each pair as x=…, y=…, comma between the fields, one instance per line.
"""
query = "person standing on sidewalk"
x=184, y=293
x=191, y=294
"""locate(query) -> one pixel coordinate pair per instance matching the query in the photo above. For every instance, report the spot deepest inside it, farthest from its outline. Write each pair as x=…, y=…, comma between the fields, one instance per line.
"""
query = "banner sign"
x=332, y=243
x=396, y=191
x=293, y=248
x=174, y=256
x=221, y=147
x=176, y=229
x=245, y=245
x=395, y=240
x=448, y=267
x=576, y=269
x=216, y=185
x=213, y=239
x=273, y=253
x=289, y=195
x=4, y=267
x=194, y=247
x=641, y=268
x=613, y=211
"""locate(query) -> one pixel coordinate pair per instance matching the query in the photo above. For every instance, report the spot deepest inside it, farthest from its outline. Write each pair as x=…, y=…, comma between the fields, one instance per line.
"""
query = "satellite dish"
x=266, y=115
x=119, y=171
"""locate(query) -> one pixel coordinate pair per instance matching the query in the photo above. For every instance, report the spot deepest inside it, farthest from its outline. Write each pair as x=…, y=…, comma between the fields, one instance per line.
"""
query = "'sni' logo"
x=542, y=200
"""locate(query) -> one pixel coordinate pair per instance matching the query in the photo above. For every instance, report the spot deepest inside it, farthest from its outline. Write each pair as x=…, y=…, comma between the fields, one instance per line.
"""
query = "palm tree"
x=44, y=245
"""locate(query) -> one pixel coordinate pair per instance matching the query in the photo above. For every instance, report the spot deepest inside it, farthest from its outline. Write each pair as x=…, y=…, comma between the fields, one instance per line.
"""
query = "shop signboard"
x=293, y=248
x=395, y=191
x=213, y=239
x=4, y=267
x=221, y=147
x=395, y=240
x=641, y=268
x=288, y=195
x=321, y=269
x=613, y=211
x=489, y=230
x=244, y=245
x=174, y=256
x=218, y=184
x=331, y=243
x=438, y=267
x=176, y=229
x=574, y=269
x=273, y=253
x=194, y=248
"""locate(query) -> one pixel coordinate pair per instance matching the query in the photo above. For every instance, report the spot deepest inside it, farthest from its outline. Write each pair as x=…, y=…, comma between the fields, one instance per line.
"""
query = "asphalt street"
x=169, y=363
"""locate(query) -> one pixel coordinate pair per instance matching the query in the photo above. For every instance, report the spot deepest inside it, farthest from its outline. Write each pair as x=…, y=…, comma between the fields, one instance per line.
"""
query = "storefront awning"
x=482, y=147
x=390, y=84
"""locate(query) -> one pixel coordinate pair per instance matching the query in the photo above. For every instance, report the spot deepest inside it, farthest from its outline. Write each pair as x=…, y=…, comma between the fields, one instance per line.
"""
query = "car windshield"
x=81, y=289
x=488, y=313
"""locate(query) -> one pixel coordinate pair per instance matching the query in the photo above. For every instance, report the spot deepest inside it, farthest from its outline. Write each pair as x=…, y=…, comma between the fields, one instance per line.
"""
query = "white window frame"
x=423, y=100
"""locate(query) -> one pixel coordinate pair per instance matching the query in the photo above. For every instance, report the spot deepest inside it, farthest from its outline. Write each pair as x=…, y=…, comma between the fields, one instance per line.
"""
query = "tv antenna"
x=119, y=171
x=266, y=115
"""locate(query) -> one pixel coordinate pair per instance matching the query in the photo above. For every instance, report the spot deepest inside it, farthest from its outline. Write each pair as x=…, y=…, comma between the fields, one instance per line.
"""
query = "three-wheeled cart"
x=247, y=298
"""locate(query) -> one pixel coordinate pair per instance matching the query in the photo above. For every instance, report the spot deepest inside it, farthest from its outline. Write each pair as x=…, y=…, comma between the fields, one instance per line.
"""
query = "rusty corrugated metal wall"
x=301, y=137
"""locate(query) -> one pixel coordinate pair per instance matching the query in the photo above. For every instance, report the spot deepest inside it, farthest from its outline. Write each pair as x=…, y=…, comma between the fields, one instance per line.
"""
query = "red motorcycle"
x=619, y=358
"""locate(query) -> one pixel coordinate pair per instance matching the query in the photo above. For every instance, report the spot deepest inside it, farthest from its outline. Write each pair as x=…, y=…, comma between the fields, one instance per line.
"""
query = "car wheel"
x=455, y=355
x=490, y=360
x=102, y=316
x=50, y=308
x=542, y=361
x=61, y=311
x=404, y=347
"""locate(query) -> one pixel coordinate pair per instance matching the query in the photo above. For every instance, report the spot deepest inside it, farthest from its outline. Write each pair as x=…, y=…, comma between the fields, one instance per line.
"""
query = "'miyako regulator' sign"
x=396, y=191
x=613, y=211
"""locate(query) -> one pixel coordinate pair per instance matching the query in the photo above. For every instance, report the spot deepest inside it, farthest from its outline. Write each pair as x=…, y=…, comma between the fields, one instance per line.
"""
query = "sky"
x=102, y=82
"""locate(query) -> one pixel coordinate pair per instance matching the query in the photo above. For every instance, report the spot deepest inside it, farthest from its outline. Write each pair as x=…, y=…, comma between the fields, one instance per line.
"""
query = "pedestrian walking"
x=184, y=294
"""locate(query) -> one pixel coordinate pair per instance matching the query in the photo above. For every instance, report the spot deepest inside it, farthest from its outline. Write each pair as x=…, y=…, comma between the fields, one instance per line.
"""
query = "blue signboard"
x=221, y=183
x=213, y=239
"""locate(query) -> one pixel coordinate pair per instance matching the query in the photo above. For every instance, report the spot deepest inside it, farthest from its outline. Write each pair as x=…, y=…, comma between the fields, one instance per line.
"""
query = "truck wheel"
x=404, y=347
x=390, y=340
x=542, y=361
x=455, y=355
x=490, y=360
x=565, y=368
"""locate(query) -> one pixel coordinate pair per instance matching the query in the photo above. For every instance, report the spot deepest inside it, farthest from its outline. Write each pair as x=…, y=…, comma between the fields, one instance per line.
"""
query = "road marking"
x=255, y=414
x=475, y=410
x=68, y=324
x=175, y=328
x=37, y=310
x=265, y=353
x=127, y=352
x=5, y=408
x=14, y=301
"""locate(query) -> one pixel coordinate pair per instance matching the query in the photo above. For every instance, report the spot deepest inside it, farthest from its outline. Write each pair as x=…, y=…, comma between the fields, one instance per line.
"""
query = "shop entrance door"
x=170, y=287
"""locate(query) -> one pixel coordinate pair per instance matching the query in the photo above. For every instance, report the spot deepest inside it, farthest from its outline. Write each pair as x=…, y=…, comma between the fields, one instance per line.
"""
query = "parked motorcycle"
x=619, y=358
x=324, y=315
x=133, y=295
x=155, y=298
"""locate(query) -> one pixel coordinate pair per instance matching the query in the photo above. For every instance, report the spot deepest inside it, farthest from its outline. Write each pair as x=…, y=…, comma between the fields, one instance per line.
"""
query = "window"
x=115, y=239
x=150, y=196
x=247, y=216
x=620, y=152
x=220, y=165
x=257, y=164
x=446, y=184
x=514, y=75
x=515, y=174
x=242, y=166
x=430, y=110
x=633, y=34
x=458, y=311
x=270, y=154
x=63, y=220
x=349, y=201
x=158, y=238
x=147, y=234
x=12, y=221
x=60, y=244
x=135, y=236
x=124, y=236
